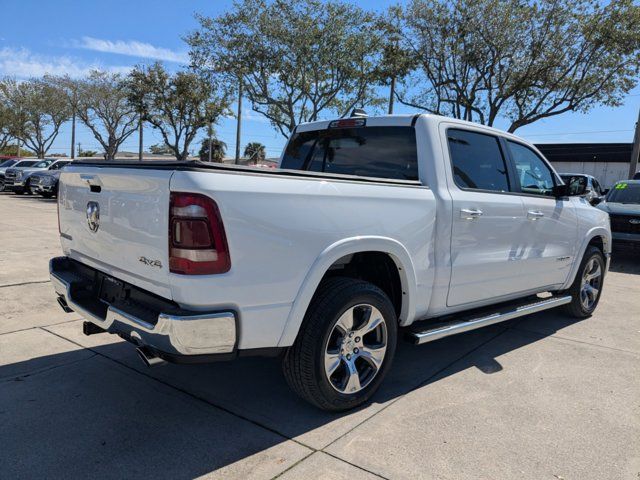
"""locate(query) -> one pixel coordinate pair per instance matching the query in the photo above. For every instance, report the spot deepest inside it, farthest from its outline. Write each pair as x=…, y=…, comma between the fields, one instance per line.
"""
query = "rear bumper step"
x=485, y=318
x=150, y=322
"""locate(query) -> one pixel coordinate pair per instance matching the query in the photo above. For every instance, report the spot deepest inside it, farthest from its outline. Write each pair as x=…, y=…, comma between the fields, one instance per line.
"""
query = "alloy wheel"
x=355, y=349
x=591, y=284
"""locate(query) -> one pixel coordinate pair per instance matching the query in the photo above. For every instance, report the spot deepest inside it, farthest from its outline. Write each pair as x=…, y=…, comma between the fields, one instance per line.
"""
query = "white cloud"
x=132, y=48
x=22, y=63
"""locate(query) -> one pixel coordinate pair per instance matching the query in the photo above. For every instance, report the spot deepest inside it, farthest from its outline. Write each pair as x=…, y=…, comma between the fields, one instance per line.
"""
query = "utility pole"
x=392, y=92
x=140, y=145
x=73, y=135
x=210, y=132
x=635, y=153
x=239, y=126
x=73, y=128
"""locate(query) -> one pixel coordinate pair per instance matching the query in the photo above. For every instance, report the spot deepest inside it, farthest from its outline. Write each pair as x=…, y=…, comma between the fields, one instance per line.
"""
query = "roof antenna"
x=358, y=112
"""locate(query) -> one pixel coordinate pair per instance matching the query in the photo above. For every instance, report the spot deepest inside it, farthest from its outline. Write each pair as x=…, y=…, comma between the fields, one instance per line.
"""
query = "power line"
x=575, y=133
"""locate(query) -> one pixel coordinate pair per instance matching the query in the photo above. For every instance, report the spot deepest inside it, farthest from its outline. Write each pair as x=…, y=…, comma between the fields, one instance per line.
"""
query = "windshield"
x=25, y=163
x=624, y=193
x=8, y=163
x=43, y=163
x=59, y=165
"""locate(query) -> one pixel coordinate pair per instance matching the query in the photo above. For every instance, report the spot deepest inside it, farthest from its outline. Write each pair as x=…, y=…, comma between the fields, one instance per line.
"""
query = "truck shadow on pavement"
x=625, y=260
x=101, y=412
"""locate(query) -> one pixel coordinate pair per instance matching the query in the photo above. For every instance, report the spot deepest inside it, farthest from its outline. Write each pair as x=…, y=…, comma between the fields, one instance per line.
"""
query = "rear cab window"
x=364, y=151
x=477, y=160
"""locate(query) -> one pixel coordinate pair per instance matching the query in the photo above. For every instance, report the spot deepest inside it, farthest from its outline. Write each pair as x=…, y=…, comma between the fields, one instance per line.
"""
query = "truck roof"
x=402, y=120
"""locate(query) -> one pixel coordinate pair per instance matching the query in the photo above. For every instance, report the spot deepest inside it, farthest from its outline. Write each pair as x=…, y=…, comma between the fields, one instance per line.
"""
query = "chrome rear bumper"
x=170, y=333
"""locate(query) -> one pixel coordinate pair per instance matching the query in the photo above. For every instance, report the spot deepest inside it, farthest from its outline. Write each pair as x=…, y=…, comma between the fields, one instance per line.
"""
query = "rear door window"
x=381, y=152
x=477, y=161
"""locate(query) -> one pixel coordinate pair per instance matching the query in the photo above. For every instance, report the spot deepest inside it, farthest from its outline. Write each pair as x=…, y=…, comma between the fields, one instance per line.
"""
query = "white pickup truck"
x=372, y=226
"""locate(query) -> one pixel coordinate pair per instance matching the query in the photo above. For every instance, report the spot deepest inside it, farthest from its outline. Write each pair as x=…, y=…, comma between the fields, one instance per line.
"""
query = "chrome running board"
x=471, y=322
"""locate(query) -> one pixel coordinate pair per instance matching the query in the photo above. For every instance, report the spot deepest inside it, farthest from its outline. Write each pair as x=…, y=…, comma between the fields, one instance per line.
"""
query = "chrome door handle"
x=470, y=213
x=534, y=214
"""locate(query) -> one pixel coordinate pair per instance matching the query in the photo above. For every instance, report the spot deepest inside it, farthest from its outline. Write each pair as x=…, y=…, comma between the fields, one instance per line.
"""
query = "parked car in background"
x=594, y=193
x=13, y=163
x=622, y=203
x=17, y=177
x=636, y=176
x=46, y=183
x=421, y=222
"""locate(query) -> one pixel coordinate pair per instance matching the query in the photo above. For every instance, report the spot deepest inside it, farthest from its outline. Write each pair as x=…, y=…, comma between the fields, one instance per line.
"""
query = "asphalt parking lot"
x=543, y=397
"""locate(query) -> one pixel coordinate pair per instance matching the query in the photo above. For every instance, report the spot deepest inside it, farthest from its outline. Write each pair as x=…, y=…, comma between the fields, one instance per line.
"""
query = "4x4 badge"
x=151, y=263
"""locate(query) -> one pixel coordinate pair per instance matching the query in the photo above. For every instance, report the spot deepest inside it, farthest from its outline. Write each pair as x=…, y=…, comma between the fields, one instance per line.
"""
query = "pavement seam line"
x=354, y=465
x=413, y=389
x=185, y=392
x=294, y=465
x=45, y=369
x=542, y=335
x=41, y=326
x=24, y=283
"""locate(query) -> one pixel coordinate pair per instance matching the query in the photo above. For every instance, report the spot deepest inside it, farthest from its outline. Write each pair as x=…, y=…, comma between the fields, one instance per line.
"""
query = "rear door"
x=488, y=219
x=551, y=229
x=116, y=220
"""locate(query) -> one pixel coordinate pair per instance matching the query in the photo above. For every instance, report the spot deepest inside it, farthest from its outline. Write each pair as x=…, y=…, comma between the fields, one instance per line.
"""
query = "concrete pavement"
x=540, y=397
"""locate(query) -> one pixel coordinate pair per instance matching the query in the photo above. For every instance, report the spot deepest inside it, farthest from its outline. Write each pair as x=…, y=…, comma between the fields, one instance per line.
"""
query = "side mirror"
x=596, y=200
x=573, y=186
x=605, y=191
x=561, y=191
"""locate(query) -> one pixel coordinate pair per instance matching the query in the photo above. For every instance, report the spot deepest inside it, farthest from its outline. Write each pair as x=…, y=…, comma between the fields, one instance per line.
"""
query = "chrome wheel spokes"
x=591, y=284
x=355, y=349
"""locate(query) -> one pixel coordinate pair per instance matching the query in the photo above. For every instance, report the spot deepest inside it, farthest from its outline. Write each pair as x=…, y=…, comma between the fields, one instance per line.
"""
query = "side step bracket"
x=432, y=332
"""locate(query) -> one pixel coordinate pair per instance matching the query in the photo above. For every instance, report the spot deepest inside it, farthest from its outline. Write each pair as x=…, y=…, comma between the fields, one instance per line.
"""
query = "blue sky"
x=73, y=36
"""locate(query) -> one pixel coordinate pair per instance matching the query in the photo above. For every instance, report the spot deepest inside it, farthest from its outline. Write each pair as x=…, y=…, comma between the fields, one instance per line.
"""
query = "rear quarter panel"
x=283, y=232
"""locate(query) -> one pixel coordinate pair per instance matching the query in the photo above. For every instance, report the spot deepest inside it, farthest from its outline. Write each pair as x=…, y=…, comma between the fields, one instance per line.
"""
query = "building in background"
x=608, y=162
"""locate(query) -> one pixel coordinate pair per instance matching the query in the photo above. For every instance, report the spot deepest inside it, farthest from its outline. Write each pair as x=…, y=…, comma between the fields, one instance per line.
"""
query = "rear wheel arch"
x=346, y=252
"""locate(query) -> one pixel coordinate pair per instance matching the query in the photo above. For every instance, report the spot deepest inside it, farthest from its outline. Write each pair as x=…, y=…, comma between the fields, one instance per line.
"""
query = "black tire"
x=304, y=361
x=46, y=195
x=576, y=308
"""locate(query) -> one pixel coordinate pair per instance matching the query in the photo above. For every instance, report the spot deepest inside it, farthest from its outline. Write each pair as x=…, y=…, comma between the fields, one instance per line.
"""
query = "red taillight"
x=197, y=242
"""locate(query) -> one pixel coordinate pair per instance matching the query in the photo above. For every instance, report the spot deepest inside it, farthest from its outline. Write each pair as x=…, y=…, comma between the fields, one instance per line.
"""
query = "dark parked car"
x=636, y=176
x=593, y=192
x=46, y=183
x=623, y=205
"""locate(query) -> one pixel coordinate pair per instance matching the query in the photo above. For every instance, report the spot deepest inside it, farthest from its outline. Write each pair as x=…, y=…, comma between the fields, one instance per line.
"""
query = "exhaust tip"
x=148, y=357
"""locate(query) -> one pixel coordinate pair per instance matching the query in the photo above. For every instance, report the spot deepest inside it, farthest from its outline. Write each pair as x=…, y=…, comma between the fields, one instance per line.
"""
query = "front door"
x=552, y=223
x=488, y=220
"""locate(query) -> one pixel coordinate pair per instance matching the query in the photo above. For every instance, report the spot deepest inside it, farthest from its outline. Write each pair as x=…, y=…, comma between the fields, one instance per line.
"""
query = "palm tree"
x=218, y=150
x=255, y=152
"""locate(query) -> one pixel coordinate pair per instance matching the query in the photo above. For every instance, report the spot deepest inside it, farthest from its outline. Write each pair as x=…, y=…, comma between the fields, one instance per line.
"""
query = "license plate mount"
x=111, y=290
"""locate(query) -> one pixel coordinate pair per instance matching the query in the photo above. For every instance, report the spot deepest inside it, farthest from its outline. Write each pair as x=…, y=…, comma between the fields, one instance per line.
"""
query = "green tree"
x=178, y=105
x=5, y=133
x=481, y=60
x=218, y=150
x=160, y=149
x=36, y=110
x=103, y=106
x=297, y=58
x=255, y=152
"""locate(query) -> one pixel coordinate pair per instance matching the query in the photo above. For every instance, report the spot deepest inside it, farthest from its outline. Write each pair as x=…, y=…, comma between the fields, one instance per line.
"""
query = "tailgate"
x=116, y=220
